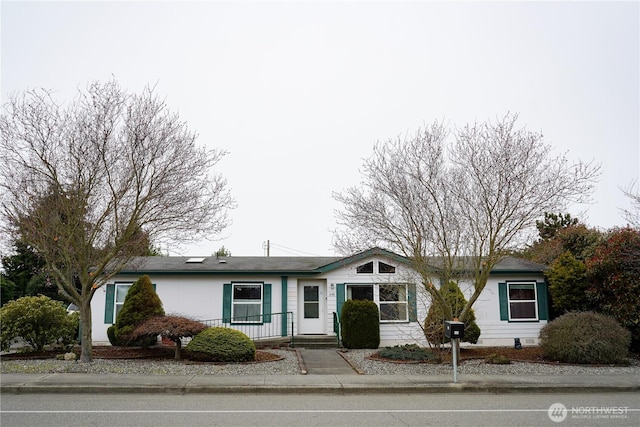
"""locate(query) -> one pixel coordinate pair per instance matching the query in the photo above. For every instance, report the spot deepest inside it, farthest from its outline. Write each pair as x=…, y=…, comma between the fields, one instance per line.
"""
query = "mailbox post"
x=454, y=330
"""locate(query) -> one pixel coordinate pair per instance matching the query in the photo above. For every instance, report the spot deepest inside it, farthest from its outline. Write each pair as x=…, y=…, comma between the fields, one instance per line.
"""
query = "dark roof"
x=301, y=265
x=512, y=264
x=233, y=264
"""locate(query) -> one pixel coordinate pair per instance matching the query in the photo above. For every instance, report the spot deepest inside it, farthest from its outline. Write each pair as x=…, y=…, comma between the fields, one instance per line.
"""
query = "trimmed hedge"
x=360, y=324
x=221, y=345
x=585, y=337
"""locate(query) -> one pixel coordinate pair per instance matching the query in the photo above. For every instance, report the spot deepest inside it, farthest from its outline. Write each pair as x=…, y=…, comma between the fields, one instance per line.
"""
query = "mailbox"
x=453, y=329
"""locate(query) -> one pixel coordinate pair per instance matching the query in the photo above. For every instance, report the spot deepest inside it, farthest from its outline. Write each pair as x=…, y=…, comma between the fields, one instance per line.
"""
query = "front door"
x=311, y=306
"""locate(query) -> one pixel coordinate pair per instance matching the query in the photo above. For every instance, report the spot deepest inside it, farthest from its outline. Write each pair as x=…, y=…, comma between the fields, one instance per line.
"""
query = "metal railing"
x=271, y=325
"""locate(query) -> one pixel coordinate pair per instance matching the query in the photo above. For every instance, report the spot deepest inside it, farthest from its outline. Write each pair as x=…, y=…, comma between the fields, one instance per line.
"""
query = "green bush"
x=39, y=321
x=408, y=352
x=434, y=322
x=585, y=337
x=141, y=303
x=360, y=324
x=221, y=345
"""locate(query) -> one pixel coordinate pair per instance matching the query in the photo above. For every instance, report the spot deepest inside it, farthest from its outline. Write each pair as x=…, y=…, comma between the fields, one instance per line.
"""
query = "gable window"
x=393, y=303
x=365, y=268
x=386, y=268
x=247, y=302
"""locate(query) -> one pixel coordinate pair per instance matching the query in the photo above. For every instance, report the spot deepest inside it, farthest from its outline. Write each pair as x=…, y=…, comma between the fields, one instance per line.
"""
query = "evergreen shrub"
x=141, y=303
x=221, y=345
x=434, y=322
x=360, y=324
x=585, y=337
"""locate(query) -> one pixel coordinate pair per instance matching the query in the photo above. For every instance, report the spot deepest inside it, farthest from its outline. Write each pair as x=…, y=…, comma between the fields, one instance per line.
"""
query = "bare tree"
x=90, y=183
x=458, y=200
x=632, y=215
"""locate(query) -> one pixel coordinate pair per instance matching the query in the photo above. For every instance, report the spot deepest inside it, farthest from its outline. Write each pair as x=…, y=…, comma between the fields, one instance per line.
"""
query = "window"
x=365, y=268
x=391, y=299
x=121, y=294
x=385, y=268
x=247, y=302
x=522, y=301
x=393, y=303
x=360, y=292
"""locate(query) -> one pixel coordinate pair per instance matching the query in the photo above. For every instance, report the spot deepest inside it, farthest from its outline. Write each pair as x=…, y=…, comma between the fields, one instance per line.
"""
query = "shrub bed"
x=408, y=352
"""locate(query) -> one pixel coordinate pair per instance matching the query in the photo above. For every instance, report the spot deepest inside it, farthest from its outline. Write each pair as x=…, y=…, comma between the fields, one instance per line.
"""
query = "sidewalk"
x=322, y=372
x=183, y=384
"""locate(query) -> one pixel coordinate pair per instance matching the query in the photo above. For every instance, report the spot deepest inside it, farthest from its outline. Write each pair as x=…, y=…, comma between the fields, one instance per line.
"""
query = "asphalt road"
x=157, y=410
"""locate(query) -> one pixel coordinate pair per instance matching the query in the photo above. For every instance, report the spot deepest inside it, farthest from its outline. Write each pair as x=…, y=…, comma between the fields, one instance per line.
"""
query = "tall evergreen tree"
x=141, y=303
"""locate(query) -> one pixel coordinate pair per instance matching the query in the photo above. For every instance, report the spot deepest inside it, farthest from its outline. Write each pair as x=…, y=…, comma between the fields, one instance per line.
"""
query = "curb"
x=483, y=388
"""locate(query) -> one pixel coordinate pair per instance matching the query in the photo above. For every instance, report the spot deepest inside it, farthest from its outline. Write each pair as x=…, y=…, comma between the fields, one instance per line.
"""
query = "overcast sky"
x=298, y=92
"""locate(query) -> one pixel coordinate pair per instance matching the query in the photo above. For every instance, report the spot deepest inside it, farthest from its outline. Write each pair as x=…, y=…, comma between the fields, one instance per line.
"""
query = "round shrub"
x=221, y=345
x=39, y=321
x=585, y=337
x=360, y=323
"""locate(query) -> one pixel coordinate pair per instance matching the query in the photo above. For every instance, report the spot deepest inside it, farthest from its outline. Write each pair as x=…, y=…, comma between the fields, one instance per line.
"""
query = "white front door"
x=311, y=306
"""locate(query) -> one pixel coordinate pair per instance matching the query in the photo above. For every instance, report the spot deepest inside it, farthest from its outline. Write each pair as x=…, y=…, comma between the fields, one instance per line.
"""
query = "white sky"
x=298, y=92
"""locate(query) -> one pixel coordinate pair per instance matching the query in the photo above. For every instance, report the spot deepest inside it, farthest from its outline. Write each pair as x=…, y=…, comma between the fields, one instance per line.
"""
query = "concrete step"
x=314, y=341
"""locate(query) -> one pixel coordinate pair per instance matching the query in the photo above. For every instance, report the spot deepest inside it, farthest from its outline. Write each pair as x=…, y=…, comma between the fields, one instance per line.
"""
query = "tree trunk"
x=86, y=346
x=178, y=355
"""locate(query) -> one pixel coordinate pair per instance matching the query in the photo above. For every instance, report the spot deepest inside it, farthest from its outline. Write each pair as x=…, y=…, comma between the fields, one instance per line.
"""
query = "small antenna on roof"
x=266, y=245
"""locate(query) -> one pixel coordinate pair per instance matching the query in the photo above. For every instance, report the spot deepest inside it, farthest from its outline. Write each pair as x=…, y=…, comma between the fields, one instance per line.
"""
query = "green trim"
x=340, y=297
x=284, y=292
x=504, y=301
x=266, y=302
x=109, y=303
x=226, y=303
x=543, y=301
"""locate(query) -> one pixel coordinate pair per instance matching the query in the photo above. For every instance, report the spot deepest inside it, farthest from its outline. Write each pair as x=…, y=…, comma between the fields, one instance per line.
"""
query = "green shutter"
x=340, y=296
x=226, y=303
x=109, y=303
x=543, y=301
x=285, y=319
x=266, y=303
x=413, y=303
x=504, y=302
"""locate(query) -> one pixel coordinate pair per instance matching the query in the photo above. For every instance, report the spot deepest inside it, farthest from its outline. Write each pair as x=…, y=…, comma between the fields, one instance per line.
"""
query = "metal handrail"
x=336, y=327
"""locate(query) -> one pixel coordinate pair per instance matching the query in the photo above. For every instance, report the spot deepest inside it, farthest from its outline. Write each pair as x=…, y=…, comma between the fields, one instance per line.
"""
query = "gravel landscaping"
x=288, y=365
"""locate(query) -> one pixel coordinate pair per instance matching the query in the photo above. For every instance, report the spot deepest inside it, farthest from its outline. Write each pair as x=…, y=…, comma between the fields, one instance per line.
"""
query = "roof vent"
x=222, y=261
x=195, y=261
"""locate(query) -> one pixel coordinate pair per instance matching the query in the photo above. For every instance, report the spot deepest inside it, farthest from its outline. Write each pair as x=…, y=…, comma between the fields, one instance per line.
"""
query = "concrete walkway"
x=324, y=362
x=326, y=372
